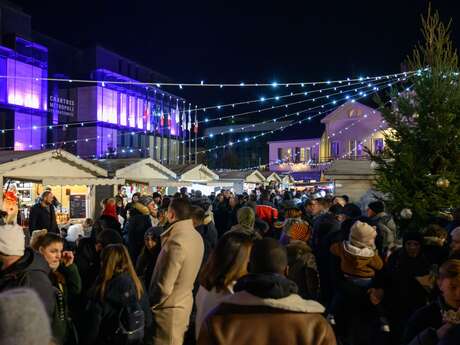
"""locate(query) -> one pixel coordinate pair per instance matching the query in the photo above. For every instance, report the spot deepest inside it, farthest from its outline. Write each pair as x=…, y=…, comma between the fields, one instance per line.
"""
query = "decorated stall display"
x=10, y=206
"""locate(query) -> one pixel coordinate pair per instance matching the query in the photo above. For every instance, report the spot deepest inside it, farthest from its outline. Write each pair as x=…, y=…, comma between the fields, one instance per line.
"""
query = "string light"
x=141, y=132
x=202, y=83
x=264, y=133
x=339, y=132
x=165, y=114
x=275, y=119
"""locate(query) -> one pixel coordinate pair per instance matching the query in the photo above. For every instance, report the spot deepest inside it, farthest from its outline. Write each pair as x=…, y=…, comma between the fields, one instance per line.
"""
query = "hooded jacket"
x=31, y=271
x=357, y=262
x=266, y=310
x=138, y=223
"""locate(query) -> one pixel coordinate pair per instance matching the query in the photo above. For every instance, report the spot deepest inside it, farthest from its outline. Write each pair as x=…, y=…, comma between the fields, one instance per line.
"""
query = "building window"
x=123, y=109
x=107, y=102
x=378, y=145
x=297, y=155
x=359, y=150
x=285, y=155
x=132, y=111
x=352, y=148
x=24, y=86
x=335, y=149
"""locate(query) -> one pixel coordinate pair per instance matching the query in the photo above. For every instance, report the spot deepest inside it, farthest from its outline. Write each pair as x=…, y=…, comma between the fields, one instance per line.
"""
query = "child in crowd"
x=359, y=262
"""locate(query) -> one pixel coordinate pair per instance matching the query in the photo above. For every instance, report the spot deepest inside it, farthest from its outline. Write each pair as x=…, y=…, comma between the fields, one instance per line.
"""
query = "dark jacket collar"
x=266, y=285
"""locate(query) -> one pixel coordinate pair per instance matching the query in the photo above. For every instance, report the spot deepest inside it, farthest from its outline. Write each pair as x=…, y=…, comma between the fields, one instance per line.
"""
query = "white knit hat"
x=12, y=240
x=362, y=235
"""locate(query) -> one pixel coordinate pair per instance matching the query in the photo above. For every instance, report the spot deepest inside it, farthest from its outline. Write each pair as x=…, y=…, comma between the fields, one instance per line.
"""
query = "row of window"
x=296, y=154
x=125, y=110
x=306, y=154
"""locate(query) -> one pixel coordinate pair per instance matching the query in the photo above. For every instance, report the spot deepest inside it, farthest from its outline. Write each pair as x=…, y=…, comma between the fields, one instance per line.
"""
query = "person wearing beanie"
x=23, y=318
x=358, y=258
x=386, y=227
x=108, y=218
x=359, y=262
x=143, y=216
x=22, y=267
x=295, y=230
x=149, y=254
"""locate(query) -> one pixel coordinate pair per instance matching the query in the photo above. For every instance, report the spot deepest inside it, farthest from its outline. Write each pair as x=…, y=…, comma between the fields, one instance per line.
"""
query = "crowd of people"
x=266, y=267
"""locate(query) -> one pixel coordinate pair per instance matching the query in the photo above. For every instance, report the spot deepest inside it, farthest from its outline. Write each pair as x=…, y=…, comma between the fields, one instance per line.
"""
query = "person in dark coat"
x=108, y=218
x=138, y=223
x=116, y=286
x=397, y=287
x=424, y=325
x=129, y=205
x=303, y=270
x=43, y=215
x=21, y=267
x=207, y=231
x=88, y=261
x=66, y=281
x=149, y=254
x=435, y=244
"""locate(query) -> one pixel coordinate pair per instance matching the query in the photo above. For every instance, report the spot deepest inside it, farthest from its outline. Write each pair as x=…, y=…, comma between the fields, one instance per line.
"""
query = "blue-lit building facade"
x=92, y=120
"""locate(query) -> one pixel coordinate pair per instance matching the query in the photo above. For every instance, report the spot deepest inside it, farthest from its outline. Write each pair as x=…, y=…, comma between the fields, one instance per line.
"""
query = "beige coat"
x=245, y=319
x=171, y=297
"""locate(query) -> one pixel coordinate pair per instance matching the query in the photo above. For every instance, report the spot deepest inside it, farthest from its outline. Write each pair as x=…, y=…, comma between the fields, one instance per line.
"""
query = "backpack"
x=131, y=323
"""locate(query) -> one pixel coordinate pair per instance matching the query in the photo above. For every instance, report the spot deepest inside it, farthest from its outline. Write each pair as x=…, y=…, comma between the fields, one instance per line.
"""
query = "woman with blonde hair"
x=118, y=300
x=227, y=263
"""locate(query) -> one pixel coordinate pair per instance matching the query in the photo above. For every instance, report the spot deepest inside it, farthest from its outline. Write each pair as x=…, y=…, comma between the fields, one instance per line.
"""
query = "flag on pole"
x=196, y=123
x=177, y=115
x=184, y=120
x=189, y=122
x=169, y=118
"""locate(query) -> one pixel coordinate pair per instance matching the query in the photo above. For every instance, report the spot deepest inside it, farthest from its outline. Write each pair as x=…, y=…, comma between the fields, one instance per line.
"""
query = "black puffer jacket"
x=102, y=317
x=31, y=271
x=138, y=223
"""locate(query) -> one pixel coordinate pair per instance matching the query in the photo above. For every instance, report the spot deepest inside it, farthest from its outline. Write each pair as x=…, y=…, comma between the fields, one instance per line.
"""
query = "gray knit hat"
x=23, y=319
x=145, y=200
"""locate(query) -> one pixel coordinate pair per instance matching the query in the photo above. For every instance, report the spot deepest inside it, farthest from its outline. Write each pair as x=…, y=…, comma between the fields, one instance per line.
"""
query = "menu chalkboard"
x=77, y=206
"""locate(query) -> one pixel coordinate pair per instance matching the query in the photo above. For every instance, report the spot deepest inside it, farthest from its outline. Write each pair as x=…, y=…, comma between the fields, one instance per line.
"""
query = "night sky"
x=250, y=41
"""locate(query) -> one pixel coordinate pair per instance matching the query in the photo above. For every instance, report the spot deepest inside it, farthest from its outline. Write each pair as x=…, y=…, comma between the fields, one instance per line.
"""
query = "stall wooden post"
x=1, y=194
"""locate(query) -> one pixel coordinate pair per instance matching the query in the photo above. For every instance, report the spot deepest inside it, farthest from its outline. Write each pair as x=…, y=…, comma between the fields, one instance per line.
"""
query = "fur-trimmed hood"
x=142, y=209
x=365, y=252
x=293, y=302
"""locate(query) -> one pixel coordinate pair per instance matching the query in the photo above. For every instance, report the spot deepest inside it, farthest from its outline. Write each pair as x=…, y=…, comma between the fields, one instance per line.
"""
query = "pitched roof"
x=234, y=174
x=9, y=156
x=180, y=169
x=114, y=164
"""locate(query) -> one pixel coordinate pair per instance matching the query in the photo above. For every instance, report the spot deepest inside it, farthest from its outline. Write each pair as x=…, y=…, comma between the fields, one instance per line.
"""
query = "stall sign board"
x=77, y=206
